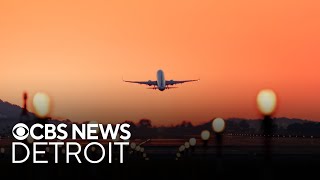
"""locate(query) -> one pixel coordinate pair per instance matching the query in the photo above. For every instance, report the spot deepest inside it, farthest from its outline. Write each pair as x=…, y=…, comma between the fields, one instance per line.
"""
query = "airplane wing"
x=173, y=82
x=150, y=83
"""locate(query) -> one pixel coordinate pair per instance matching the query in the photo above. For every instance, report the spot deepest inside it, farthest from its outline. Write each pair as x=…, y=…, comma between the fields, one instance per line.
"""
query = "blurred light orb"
x=30, y=139
x=178, y=155
x=133, y=145
x=218, y=125
x=2, y=150
x=182, y=148
x=63, y=151
x=144, y=155
x=41, y=104
x=47, y=149
x=205, y=135
x=93, y=149
x=187, y=145
x=267, y=101
x=97, y=129
x=142, y=149
x=138, y=148
x=192, y=141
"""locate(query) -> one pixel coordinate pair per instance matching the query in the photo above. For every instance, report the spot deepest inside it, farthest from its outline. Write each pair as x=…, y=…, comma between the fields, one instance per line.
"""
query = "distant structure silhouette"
x=24, y=116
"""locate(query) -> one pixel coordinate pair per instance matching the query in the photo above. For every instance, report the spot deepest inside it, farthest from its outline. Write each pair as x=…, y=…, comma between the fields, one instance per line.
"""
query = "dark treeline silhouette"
x=10, y=114
x=145, y=129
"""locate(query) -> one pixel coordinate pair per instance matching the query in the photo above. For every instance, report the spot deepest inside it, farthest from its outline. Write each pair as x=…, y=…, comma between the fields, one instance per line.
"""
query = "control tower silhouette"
x=24, y=116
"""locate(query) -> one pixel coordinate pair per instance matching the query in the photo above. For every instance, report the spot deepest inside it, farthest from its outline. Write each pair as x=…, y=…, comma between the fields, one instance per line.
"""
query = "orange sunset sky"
x=78, y=52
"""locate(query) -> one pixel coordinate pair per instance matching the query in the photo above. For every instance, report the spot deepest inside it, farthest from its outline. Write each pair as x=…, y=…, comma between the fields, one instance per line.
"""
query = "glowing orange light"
x=218, y=125
x=266, y=101
x=42, y=105
x=205, y=135
x=192, y=141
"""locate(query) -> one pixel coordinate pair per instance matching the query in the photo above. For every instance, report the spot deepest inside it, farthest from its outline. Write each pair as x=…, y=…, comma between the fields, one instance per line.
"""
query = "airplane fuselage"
x=161, y=82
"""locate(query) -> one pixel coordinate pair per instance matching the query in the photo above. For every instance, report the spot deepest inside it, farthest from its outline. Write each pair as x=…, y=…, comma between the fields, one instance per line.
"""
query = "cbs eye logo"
x=20, y=131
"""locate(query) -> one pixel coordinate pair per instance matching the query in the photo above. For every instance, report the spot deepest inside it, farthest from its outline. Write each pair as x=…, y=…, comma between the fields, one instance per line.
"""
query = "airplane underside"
x=162, y=89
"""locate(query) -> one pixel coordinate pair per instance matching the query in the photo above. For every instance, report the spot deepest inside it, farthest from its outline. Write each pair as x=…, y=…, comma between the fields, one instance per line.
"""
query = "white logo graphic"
x=20, y=131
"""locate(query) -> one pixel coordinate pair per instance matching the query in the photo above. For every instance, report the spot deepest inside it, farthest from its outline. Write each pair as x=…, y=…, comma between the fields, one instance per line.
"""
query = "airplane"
x=161, y=84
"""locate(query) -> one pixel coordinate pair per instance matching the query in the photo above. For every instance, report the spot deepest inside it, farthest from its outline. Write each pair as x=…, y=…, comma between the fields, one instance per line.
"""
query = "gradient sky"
x=78, y=52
